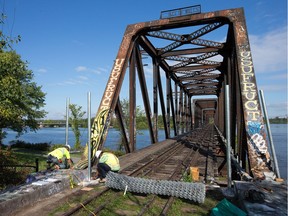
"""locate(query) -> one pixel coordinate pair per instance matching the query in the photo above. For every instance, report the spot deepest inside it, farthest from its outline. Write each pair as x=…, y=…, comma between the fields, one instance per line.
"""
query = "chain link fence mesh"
x=191, y=191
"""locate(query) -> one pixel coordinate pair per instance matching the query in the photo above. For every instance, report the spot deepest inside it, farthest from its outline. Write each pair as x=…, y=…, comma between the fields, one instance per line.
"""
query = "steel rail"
x=174, y=176
x=133, y=173
x=145, y=166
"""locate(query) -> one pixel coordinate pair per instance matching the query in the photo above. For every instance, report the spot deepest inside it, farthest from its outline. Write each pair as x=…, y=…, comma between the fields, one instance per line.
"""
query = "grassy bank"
x=18, y=160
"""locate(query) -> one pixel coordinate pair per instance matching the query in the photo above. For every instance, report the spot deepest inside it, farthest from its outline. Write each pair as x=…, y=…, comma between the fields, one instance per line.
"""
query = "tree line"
x=21, y=99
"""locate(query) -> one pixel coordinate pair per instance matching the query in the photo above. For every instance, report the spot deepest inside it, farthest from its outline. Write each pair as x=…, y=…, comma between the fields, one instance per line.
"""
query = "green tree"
x=21, y=100
x=75, y=120
x=6, y=41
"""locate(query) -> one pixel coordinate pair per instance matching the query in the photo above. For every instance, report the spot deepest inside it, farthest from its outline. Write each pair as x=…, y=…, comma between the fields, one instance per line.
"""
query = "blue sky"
x=70, y=45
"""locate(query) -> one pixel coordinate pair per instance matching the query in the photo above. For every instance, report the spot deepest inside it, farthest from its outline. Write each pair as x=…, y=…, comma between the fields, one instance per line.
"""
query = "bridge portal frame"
x=237, y=70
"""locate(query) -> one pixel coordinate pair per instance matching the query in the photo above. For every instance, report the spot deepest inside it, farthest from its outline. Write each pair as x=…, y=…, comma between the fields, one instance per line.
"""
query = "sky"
x=70, y=45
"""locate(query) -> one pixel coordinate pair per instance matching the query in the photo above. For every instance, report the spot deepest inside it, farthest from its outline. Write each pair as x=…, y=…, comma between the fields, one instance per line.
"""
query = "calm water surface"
x=57, y=136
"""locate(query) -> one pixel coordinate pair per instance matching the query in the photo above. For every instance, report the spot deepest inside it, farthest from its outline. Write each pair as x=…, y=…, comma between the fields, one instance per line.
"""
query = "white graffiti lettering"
x=111, y=86
x=249, y=87
x=260, y=143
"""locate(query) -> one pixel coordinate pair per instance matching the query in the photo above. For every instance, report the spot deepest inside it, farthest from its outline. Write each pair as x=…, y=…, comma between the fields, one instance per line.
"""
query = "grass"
x=11, y=158
x=26, y=156
x=29, y=156
x=132, y=204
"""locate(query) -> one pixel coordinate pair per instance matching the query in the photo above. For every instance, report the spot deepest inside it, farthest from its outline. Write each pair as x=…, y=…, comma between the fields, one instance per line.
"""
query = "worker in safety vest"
x=107, y=162
x=60, y=158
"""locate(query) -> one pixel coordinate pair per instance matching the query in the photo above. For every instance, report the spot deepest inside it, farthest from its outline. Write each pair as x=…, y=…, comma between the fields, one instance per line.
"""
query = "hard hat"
x=68, y=146
x=98, y=153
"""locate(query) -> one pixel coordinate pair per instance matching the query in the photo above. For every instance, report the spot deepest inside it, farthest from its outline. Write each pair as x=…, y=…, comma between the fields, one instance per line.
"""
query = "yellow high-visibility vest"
x=60, y=153
x=111, y=160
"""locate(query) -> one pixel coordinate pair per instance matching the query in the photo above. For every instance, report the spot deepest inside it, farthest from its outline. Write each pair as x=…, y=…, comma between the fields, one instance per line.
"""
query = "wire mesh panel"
x=186, y=190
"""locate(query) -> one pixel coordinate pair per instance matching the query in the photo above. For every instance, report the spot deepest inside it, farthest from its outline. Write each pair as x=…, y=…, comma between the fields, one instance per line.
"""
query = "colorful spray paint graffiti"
x=100, y=122
x=97, y=130
x=254, y=130
x=257, y=145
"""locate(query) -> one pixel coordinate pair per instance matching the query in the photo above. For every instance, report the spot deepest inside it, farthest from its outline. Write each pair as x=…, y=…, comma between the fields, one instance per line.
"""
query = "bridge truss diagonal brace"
x=252, y=116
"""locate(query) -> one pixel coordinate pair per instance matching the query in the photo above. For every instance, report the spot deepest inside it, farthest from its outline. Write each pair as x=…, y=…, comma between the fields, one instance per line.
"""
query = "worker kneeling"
x=60, y=158
x=107, y=162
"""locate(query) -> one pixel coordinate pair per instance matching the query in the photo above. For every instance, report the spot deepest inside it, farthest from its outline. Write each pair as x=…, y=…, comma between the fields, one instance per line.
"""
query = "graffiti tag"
x=249, y=88
x=112, y=83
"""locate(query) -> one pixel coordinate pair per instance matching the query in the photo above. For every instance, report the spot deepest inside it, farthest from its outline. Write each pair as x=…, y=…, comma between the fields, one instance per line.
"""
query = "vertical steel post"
x=67, y=120
x=228, y=138
x=176, y=110
x=181, y=129
x=274, y=157
x=89, y=134
x=168, y=102
x=132, y=101
x=155, y=98
x=202, y=117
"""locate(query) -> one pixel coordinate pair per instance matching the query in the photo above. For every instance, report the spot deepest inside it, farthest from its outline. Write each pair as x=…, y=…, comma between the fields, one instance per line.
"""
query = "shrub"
x=11, y=176
x=33, y=146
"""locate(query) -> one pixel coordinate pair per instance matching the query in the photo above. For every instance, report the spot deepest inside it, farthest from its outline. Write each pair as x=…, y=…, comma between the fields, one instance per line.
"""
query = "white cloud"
x=270, y=51
x=83, y=77
x=86, y=69
x=277, y=109
x=42, y=70
x=96, y=71
x=81, y=68
x=282, y=76
x=274, y=87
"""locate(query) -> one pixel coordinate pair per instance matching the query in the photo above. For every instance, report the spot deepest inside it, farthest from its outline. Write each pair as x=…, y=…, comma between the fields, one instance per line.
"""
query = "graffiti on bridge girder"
x=99, y=123
x=258, y=152
x=111, y=86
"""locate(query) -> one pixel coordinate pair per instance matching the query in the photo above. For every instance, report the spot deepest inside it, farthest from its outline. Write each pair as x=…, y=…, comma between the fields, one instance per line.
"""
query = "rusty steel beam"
x=197, y=59
x=132, y=100
x=123, y=127
x=202, y=31
x=173, y=110
x=168, y=102
x=192, y=68
x=155, y=97
x=190, y=51
x=162, y=104
x=187, y=85
x=145, y=96
x=235, y=69
x=195, y=77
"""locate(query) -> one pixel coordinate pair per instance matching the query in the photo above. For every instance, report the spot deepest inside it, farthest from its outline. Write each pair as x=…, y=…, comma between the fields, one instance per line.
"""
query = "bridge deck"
x=199, y=148
x=162, y=158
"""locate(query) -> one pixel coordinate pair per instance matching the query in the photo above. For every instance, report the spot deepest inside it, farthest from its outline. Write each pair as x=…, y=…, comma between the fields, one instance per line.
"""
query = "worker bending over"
x=107, y=162
x=60, y=158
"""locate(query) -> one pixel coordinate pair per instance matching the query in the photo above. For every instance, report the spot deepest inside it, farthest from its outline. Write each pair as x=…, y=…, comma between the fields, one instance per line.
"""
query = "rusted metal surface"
x=199, y=65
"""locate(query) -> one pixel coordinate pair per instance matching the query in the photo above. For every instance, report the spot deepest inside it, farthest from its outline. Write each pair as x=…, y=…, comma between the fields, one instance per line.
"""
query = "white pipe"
x=228, y=135
x=67, y=120
x=89, y=135
x=274, y=158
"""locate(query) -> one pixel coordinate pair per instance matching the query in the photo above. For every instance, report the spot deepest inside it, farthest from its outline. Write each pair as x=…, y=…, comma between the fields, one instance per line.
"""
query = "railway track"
x=171, y=163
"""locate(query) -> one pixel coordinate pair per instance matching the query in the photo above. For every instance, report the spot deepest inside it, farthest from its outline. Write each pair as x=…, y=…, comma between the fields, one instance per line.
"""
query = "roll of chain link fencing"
x=185, y=190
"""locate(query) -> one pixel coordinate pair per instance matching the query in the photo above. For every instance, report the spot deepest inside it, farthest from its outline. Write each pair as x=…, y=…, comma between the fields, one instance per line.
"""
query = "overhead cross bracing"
x=191, y=56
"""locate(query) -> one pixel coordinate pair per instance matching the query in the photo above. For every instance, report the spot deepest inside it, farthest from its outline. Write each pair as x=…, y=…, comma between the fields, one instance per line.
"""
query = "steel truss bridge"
x=200, y=63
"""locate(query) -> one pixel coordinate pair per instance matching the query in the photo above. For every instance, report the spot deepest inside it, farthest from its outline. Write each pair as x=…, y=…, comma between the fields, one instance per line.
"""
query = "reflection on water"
x=57, y=136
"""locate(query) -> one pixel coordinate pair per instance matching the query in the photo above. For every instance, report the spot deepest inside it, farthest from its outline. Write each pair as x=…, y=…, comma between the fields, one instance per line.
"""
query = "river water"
x=57, y=136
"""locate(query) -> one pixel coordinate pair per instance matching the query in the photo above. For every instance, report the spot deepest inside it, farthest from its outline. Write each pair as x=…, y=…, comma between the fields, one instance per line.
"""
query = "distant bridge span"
x=194, y=58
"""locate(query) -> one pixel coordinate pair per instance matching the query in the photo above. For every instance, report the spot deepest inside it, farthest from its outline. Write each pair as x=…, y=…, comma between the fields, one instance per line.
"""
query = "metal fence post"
x=274, y=158
x=37, y=164
x=227, y=123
